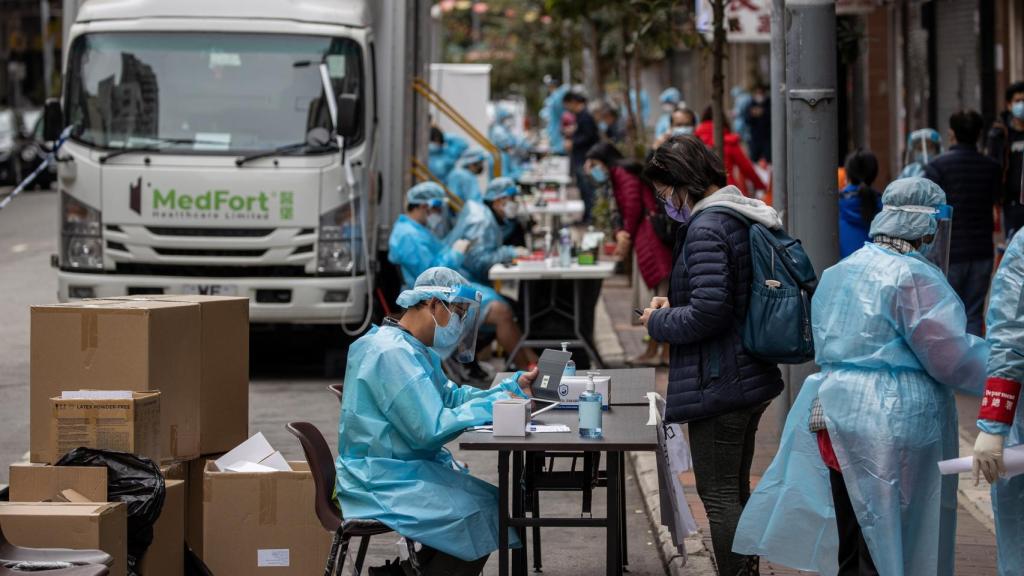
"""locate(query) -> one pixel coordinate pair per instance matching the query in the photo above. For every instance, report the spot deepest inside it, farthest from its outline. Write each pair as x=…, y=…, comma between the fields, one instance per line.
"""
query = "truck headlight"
x=81, y=235
x=336, y=240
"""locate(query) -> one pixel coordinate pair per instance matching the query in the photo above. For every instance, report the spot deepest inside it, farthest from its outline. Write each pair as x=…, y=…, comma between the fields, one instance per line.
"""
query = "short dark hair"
x=684, y=162
x=967, y=126
x=707, y=114
x=1013, y=89
x=611, y=157
x=574, y=97
x=436, y=135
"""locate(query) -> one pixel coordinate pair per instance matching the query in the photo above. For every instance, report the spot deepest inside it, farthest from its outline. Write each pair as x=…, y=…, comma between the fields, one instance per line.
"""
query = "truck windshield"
x=206, y=92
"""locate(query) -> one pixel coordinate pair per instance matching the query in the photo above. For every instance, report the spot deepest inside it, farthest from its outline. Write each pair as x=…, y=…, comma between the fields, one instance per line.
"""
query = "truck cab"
x=219, y=149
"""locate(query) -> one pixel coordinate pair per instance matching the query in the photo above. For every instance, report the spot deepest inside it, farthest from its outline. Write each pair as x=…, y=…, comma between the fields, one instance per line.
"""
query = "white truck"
x=258, y=148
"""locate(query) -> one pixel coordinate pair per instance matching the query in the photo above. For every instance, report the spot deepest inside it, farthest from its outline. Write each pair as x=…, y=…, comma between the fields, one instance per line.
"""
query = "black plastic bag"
x=135, y=481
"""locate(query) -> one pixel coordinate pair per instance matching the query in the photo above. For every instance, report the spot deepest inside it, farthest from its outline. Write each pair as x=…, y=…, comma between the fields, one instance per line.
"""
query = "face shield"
x=922, y=146
x=463, y=303
x=937, y=252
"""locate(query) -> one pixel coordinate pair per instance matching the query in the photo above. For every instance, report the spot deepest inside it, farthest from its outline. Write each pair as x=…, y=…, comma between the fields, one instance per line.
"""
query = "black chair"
x=11, y=554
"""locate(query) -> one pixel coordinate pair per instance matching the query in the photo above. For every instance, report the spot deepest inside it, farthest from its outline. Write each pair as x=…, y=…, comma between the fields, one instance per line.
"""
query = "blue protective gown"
x=397, y=413
x=890, y=337
x=442, y=160
x=509, y=145
x=477, y=223
x=464, y=184
x=1005, y=330
x=413, y=248
x=663, y=124
x=552, y=113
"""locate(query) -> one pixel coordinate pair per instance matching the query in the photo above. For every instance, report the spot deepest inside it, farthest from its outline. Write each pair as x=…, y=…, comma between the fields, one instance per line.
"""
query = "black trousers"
x=854, y=556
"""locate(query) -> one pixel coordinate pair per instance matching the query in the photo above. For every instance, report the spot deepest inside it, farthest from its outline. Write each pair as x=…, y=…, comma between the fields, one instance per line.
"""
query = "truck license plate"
x=210, y=289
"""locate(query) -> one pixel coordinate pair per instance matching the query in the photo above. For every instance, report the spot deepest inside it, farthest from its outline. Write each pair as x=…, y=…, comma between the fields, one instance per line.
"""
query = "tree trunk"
x=718, y=78
x=591, y=72
x=641, y=127
x=631, y=114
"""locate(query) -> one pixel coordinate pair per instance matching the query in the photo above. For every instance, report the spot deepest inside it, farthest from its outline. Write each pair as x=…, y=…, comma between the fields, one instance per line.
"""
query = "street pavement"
x=285, y=387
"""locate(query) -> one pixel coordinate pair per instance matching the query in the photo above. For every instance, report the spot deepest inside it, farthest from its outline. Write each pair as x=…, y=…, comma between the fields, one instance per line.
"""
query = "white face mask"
x=511, y=209
x=434, y=220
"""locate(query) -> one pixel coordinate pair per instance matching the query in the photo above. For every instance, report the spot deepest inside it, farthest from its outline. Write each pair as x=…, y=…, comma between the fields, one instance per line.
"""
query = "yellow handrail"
x=422, y=172
x=421, y=87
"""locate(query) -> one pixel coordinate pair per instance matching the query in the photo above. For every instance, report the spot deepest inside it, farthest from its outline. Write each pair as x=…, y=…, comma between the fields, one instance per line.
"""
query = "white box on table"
x=511, y=417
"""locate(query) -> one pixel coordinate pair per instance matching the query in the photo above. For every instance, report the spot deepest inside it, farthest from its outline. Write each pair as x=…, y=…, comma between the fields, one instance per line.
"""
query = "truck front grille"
x=214, y=271
x=211, y=232
x=214, y=252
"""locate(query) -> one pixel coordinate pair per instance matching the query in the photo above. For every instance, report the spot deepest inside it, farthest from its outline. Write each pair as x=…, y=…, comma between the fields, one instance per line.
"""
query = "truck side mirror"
x=53, y=120
x=348, y=106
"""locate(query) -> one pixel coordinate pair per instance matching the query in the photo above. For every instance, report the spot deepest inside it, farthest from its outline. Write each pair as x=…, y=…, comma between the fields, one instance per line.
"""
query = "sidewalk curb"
x=698, y=561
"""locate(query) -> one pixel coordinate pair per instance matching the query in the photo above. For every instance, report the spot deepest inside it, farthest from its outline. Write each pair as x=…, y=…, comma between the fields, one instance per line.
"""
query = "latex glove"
x=988, y=456
x=622, y=237
x=522, y=252
x=460, y=246
x=659, y=302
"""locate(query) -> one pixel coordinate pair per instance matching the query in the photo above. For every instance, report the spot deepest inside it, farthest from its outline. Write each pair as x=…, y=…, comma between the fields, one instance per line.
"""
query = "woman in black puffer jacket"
x=714, y=384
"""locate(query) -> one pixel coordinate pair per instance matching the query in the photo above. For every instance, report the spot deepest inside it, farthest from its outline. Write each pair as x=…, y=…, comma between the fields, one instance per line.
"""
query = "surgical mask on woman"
x=681, y=215
x=598, y=174
x=511, y=209
x=1017, y=109
x=434, y=220
x=682, y=130
x=602, y=127
x=446, y=338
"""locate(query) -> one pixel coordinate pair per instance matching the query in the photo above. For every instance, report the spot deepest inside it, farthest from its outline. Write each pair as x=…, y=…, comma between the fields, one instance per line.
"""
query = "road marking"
x=19, y=248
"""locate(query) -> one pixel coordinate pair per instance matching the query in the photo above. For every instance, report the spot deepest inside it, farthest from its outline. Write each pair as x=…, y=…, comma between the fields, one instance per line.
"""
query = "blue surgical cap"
x=908, y=211
x=501, y=113
x=670, y=96
x=926, y=134
x=438, y=282
x=425, y=193
x=500, y=188
x=472, y=156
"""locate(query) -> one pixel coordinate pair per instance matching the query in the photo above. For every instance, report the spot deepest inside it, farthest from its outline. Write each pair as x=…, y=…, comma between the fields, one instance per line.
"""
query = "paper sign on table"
x=1013, y=461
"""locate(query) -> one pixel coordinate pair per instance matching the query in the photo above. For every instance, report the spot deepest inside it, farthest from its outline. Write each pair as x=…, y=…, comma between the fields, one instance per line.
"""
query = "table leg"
x=518, y=511
x=525, y=289
x=594, y=357
x=622, y=511
x=614, y=523
x=503, y=512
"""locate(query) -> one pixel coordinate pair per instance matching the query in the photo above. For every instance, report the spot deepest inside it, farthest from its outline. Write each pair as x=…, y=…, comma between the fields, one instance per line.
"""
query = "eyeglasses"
x=660, y=192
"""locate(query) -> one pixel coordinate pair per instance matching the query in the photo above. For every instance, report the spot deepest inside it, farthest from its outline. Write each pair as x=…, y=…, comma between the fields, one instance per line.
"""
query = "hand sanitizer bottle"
x=564, y=248
x=590, y=410
x=570, y=366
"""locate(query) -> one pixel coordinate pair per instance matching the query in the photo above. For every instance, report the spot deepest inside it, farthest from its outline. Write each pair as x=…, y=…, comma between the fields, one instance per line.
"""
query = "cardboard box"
x=40, y=483
x=119, y=345
x=262, y=523
x=99, y=526
x=128, y=425
x=166, y=555
x=224, y=368
x=194, y=504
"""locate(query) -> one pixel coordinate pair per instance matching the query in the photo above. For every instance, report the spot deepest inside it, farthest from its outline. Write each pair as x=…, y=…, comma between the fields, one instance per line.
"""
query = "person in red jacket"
x=738, y=169
x=635, y=201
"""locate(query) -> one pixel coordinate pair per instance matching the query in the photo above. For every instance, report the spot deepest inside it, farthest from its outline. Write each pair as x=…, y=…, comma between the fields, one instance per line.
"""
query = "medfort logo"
x=211, y=200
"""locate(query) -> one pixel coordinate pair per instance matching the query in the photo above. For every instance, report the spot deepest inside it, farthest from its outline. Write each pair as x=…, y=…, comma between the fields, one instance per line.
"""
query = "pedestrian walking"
x=582, y=136
x=972, y=184
x=652, y=258
x=1006, y=145
x=738, y=169
x=714, y=384
x=858, y=201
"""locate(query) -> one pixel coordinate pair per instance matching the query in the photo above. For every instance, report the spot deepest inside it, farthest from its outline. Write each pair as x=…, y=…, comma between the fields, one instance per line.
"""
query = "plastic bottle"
x=570, y=366
x=564, y=248
x=590, y=410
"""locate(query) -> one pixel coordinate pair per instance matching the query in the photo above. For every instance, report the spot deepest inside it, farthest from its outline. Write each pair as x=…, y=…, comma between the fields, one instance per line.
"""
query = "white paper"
x=212, y=141
x=652, y=408
x=273, y=557
x=1013, y=461
x=277, y=462
x=96, y=395
x=255, y=449
x=542, y=428
x=249, y=467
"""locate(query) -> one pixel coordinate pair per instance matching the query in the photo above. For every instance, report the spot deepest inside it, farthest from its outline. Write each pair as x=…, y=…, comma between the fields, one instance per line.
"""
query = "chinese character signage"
x=750, y=20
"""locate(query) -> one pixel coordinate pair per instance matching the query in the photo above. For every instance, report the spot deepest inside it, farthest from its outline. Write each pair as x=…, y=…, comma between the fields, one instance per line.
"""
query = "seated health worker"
x=854, y=487
x=463, y=180
x=481, y=224
x=413, y=245
x=397, y=413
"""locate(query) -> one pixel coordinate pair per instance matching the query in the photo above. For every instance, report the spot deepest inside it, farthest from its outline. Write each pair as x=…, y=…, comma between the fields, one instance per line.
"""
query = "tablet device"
x=550, y=367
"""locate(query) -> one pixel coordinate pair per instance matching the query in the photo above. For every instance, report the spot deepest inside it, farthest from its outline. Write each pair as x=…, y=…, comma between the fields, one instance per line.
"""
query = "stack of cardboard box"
x=190, y=356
